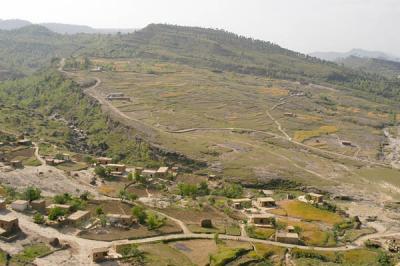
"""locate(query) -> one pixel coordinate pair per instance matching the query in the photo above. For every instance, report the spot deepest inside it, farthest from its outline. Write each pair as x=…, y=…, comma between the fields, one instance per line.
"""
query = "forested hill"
x=34, y=46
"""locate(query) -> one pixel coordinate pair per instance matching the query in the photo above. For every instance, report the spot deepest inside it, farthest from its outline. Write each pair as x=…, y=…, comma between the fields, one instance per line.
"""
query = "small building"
x=315, y=198
x=38, y=205
x=20, y=205
x=103, y=160
x=162, y=171
x=288, y=238
x=289, y=114
x=78, y=217
x=121, y=168
x=2, y=204
x=262, y=220
x=24, y=142
x=99, y=254
x=267, y=192
x=8, y=225
x=266, y=202
x=149, y=173
x=63, y=207
x=120, y=219
x=16, y=164
x=291, y=229
x=346, y=143
x=241, y=203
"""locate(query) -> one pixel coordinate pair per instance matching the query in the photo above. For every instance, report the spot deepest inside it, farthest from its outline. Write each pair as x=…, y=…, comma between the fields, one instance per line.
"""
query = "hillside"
x=389, y=69
x=335, y=56
x=32, y=47
x=249, y=109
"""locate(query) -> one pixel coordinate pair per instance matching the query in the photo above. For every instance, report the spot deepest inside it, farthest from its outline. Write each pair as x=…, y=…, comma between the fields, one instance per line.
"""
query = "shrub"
x=38, y=218
x=140, y=214
x=153, y=221
x=55, y=213
x=99, y=211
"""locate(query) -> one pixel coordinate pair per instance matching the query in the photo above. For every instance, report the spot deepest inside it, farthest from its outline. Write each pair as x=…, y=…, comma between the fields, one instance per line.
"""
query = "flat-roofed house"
x=78, y=217
x=315, y=198
x=99, y=254
x=38, y=205
x=241, y=203
x=63, y=207
x=118, y=168
x=8, y=225
x=103, y=160
x=120, y=219
x=20, y=205
x=149, y=173
x=16, y=164
x=162, y=171
x=262, y=220
x=288, y=238
x=265, y=202
x=24, y=142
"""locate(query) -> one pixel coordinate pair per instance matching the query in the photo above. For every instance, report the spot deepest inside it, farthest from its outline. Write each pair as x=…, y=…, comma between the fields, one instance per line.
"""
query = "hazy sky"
x=301, y=25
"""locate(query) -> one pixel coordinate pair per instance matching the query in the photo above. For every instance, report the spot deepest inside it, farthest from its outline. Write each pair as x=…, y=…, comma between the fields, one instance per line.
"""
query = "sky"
x=301, y=25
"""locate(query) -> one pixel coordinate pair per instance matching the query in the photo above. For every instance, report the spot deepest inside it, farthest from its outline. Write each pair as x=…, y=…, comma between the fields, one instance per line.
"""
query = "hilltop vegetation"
x=33, y=46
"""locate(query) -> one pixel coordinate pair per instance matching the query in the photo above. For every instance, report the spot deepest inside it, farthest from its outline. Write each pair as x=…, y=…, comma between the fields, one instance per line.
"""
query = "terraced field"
x=252, y=127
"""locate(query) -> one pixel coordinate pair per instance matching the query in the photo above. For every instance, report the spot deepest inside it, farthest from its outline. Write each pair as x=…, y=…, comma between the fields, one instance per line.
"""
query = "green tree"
x=32, y=193
x=130, y=177
x=140, y=214
x=99, y=211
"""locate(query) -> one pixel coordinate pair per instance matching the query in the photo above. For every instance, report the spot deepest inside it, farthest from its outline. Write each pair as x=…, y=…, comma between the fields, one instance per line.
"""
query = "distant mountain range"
x=12, y=24
x=337, y=56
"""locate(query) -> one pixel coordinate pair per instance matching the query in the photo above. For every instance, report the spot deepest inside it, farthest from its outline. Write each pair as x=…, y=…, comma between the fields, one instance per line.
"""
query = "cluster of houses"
x=59, y=159
x=6, y=160
x=257, y=213
x=118, y=170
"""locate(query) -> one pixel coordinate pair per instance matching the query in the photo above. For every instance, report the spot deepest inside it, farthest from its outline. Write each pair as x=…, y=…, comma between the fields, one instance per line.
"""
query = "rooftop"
x=315, y=195
x=20, y=202
x=287, y=235
x=100, y=249
x=241, y=200
x=266, y=199
x=114, y=215
x=262, y=215
x=62, y=206
x=162, y=169
x=8, y=218
x=77, y=215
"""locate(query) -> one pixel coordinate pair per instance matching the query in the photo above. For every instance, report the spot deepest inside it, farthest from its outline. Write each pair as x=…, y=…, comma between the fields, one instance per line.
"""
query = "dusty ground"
x=49, y=179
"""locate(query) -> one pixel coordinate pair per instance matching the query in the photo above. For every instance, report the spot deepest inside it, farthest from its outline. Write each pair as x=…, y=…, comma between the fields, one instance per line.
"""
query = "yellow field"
x=301, y=136
x=304, y=211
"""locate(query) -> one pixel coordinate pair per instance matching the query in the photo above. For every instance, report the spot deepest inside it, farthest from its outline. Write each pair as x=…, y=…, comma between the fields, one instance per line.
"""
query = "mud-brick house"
x=99, y=254
x=78, y=217
x=162, y=172
x=103, y=160
x=288, y=238
x=117, y=168
x=315, y=198
x=262, y=220
x=38, y=205
x=241, y=203
x=8, y=225
x=265, y=202
x=120, y=219
x=20, y=205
